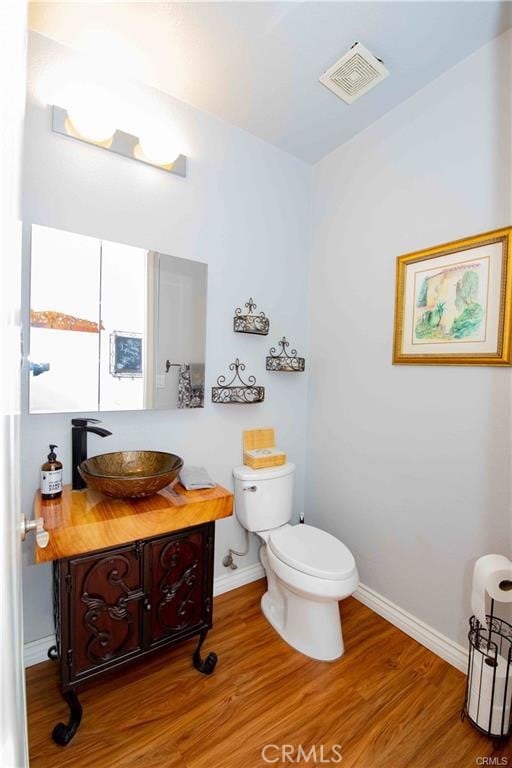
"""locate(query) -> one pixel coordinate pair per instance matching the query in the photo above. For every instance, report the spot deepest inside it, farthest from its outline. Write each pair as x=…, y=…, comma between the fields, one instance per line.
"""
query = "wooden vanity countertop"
x=84, y=521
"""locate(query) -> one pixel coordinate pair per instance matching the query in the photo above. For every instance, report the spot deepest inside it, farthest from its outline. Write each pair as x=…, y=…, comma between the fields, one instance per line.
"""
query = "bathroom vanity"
x=130, y=576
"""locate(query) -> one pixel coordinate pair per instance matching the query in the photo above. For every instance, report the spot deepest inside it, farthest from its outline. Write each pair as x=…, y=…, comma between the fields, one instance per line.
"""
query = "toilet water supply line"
x=228, y=561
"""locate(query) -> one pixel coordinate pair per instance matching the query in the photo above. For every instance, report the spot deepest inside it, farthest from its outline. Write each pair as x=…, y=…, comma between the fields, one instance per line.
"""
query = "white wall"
x=410, y=466
x=244, y=209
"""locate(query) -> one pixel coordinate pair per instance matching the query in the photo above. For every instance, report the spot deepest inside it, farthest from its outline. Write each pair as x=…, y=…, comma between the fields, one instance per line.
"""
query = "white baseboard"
x=237, y=578
x=441, y=645
x=36, y=651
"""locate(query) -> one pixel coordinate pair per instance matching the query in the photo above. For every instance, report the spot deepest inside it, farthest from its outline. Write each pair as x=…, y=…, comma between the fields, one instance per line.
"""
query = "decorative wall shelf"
x=282, y=361
x=251, y=322
x=237, y=390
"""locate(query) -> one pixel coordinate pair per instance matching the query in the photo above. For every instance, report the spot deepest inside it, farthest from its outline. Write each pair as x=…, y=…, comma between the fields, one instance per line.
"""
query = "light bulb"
x=157, y=150
x=90, y=124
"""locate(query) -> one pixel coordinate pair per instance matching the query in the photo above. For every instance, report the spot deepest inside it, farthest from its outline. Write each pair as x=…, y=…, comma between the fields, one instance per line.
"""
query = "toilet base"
x=311, y=627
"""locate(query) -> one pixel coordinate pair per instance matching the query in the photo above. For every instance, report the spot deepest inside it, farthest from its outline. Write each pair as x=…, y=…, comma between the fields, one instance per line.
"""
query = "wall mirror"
x=113, y=327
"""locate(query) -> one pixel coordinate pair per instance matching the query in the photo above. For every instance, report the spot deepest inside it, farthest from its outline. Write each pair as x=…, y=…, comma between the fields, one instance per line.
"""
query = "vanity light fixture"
x=99, y=131
x=157, y=150
x=93, y=128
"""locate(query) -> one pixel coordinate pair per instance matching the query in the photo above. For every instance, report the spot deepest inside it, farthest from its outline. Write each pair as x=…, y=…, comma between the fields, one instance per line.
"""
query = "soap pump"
x=51, y=476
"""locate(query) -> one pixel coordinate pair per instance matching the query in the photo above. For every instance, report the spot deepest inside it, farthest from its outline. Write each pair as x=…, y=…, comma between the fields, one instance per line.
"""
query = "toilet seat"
x=312, y=551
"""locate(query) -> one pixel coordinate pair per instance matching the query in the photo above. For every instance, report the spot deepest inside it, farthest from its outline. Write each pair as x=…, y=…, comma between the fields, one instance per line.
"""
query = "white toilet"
x=308, y=570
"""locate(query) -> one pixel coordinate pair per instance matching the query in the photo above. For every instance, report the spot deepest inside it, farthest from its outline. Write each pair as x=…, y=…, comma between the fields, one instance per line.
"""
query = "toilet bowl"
x=308, y=570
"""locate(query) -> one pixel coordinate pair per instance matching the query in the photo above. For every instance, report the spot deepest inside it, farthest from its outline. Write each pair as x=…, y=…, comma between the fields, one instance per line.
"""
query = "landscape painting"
x=453, y=303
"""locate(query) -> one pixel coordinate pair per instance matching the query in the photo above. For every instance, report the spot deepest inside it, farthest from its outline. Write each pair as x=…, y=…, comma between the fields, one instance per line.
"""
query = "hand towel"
x=193, y=478
x=197, y=374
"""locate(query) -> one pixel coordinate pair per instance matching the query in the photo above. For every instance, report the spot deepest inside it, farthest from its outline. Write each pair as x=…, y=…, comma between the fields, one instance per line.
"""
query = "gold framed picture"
x=453, y=303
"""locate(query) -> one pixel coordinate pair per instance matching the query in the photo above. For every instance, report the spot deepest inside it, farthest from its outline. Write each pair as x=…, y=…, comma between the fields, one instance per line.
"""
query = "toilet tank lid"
x=244, y=472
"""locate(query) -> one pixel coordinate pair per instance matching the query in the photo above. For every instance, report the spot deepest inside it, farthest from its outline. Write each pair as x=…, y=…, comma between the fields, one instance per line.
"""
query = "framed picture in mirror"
x=125, y=354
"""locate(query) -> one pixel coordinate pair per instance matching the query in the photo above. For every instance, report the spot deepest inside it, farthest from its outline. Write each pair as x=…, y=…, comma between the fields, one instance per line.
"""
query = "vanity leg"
x=62, y=734
x=207, y=665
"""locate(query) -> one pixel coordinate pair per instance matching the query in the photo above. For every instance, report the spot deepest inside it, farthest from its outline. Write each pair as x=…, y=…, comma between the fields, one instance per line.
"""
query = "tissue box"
x=260, y=449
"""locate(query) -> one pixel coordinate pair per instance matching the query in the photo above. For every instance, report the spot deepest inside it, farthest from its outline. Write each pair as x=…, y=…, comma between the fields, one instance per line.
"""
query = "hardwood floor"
x=388, y=703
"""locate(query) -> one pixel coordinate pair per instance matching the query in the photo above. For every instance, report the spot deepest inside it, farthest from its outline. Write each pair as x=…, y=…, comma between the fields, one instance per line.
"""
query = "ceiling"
x=256, y=64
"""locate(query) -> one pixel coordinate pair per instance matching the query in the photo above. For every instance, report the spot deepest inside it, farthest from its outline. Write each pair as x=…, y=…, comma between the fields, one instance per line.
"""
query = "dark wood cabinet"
x=103, y=593
x=130, y=576
x=181, y=593
x=115, y=605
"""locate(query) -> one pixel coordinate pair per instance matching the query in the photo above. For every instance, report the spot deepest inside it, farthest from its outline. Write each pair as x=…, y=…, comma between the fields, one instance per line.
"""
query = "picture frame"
x=126, y=354
x=453, y=303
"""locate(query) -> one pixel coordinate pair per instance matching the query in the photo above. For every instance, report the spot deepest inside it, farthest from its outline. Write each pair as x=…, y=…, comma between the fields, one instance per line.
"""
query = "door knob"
x=37, y=525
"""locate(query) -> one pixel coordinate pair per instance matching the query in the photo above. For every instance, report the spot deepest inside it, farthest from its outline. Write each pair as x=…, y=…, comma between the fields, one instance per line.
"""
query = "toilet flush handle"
x=251, y=488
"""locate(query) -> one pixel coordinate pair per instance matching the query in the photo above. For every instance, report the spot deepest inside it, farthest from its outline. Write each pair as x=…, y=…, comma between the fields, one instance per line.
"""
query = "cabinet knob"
x=147, y=605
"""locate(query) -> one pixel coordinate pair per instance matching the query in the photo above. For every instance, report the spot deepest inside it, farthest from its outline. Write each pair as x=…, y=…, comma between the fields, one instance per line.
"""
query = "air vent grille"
x=354, y=74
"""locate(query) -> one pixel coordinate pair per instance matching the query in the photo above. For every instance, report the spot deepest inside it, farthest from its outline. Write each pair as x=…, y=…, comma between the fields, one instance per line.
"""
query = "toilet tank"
x=263, y=497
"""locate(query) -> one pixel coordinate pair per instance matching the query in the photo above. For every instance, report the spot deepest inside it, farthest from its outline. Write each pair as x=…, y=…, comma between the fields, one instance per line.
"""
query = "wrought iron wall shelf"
x=282, y=361
x=251, y=322
x=237, y=390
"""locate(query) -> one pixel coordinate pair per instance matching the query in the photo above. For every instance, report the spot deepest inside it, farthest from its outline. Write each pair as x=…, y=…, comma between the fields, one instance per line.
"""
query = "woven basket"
x=259, y=439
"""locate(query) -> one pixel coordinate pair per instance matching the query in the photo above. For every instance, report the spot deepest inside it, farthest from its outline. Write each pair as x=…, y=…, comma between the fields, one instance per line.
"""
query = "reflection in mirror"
x=113, y=327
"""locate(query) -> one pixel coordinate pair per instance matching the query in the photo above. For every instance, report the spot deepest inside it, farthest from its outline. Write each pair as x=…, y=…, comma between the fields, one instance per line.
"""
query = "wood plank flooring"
x=388, y=703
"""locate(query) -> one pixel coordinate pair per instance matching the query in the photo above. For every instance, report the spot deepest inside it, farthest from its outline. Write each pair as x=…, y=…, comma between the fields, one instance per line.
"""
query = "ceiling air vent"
x=355, y=73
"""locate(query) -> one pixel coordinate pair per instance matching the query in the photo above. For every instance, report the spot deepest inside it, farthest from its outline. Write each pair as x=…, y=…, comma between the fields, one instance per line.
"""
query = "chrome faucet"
x=79, y=430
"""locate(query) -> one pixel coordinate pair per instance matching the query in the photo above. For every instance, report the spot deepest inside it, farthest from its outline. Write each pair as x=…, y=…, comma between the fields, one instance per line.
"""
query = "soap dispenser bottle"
x=51, y=476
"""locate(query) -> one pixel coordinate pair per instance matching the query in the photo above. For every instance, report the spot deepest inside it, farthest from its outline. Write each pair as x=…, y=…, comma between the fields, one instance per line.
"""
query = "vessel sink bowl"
x=130, y=474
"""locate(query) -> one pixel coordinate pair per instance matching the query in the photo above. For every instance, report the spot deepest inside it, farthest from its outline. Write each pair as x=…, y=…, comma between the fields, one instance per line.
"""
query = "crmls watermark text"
x=318, y=754
x=492, y=761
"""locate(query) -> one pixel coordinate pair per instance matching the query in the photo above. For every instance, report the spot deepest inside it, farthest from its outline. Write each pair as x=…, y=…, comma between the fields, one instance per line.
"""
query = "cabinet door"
x=180, y=596
x=105, y=608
